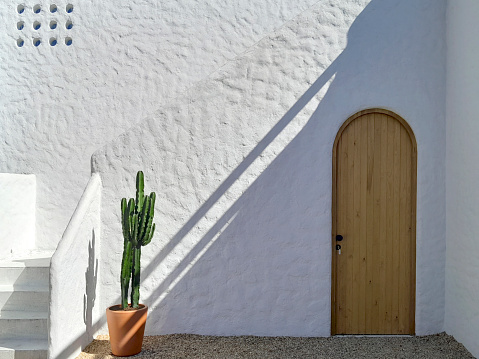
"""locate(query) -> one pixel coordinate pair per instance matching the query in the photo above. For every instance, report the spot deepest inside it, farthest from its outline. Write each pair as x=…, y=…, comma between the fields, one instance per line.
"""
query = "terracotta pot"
x=126, y=328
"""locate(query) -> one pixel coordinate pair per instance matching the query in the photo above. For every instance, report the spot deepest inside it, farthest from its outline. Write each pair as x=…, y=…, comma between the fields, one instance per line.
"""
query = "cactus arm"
x=134, y=236
x=124, y=221
x=149, y=225
x=126, y=258
x=143, y=219
x=125, y=274
x=152, y=205
x=140, y=185
x=149, y=232
x=131, y=212
x=148, y=239
x=135, y=279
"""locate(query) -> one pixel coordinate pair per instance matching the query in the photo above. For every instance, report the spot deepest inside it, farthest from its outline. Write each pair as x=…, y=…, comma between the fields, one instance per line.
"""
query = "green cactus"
x=138, y=228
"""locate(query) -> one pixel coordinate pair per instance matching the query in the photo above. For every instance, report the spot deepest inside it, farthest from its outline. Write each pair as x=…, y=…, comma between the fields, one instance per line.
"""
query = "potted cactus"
x=126, y=321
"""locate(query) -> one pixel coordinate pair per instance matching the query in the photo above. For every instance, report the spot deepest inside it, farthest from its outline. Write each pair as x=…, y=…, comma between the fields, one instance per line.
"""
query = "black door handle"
x=339, y=237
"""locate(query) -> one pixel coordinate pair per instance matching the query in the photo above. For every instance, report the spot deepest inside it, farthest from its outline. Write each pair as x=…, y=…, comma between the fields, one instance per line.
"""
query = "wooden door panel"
x=374, y=210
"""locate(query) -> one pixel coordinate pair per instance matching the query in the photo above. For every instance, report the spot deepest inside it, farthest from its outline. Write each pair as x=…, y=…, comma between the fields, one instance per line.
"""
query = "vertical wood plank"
x=412, y=264
x=375, y=275
x=363, y=240
x=388, y=223
x=355, y=240
x=405, y=233
x=344, y=268
x=395, y=136
x=383, y=240
x=371, y=229
x=347, y=250
x=340, y=215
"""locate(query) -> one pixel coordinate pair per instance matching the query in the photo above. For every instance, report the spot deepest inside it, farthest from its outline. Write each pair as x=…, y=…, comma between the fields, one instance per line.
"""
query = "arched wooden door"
x=374, y=210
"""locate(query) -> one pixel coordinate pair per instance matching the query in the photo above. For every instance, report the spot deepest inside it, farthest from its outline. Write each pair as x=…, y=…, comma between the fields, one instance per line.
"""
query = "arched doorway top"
x=368, y=111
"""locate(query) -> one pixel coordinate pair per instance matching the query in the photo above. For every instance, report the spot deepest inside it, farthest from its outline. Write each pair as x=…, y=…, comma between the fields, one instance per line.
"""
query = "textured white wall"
x=241, y=164
x=75, y=314
x=58, y=104
x=17, y=213
x=462, y=273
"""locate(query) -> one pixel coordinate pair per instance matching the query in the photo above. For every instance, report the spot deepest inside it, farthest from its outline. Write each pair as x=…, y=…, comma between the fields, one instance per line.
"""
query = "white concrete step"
x=24, y=304
x=23, y=315
x=28, y=256
x=30, y=298
x=15, y=274
x=24, y=325
x=23, y=349
x=22, y=269
x=29, y=260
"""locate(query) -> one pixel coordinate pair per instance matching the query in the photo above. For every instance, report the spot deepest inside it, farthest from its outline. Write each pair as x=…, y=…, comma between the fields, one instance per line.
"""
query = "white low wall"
x=462, y=265
x=241, y=164
x=17, y=213
x=75, y=316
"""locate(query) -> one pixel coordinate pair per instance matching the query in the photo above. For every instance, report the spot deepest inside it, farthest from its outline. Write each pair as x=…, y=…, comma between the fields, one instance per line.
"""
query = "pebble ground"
x=200, y=346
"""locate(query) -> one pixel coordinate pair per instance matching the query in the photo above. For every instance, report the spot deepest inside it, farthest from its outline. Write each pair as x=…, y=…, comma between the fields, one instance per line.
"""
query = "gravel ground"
x=201, y=346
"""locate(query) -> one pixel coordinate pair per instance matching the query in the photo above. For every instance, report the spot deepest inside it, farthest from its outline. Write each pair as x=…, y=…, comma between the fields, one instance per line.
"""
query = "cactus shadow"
x=91, y=279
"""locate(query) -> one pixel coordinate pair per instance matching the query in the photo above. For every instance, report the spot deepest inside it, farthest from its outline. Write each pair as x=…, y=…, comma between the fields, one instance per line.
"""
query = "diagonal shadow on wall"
x=268, y=254
x=263, y=267
x=271, y=249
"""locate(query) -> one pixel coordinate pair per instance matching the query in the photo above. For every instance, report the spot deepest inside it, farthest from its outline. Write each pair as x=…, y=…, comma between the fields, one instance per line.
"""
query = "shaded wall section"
x=241, y=163
x=462, y=265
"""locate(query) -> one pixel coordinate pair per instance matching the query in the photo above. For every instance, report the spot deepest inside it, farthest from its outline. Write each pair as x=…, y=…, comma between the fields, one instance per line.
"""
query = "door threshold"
x=374, y=335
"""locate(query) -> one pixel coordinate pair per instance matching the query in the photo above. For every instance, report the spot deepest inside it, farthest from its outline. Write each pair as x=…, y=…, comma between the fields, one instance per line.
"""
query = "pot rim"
x=142, y=307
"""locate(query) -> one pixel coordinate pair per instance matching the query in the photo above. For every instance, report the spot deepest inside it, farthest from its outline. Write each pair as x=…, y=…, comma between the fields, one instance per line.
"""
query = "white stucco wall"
x=58, y=104
x=462, y=273
x=17, y=213
x=75, y=312
x=241, y=163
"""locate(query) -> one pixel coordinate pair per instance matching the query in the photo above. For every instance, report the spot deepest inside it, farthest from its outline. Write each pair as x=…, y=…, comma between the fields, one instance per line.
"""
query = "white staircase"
x=24, y=302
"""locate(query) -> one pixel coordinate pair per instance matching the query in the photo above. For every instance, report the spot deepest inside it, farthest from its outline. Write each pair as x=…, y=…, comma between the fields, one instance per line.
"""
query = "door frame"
x=413, y=210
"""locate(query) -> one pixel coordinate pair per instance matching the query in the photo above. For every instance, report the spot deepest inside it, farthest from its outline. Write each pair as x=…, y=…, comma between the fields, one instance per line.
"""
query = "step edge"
x=23, y=315
x=8, y=288
x=39, y=263
x=19, y=345
x=34, y=344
